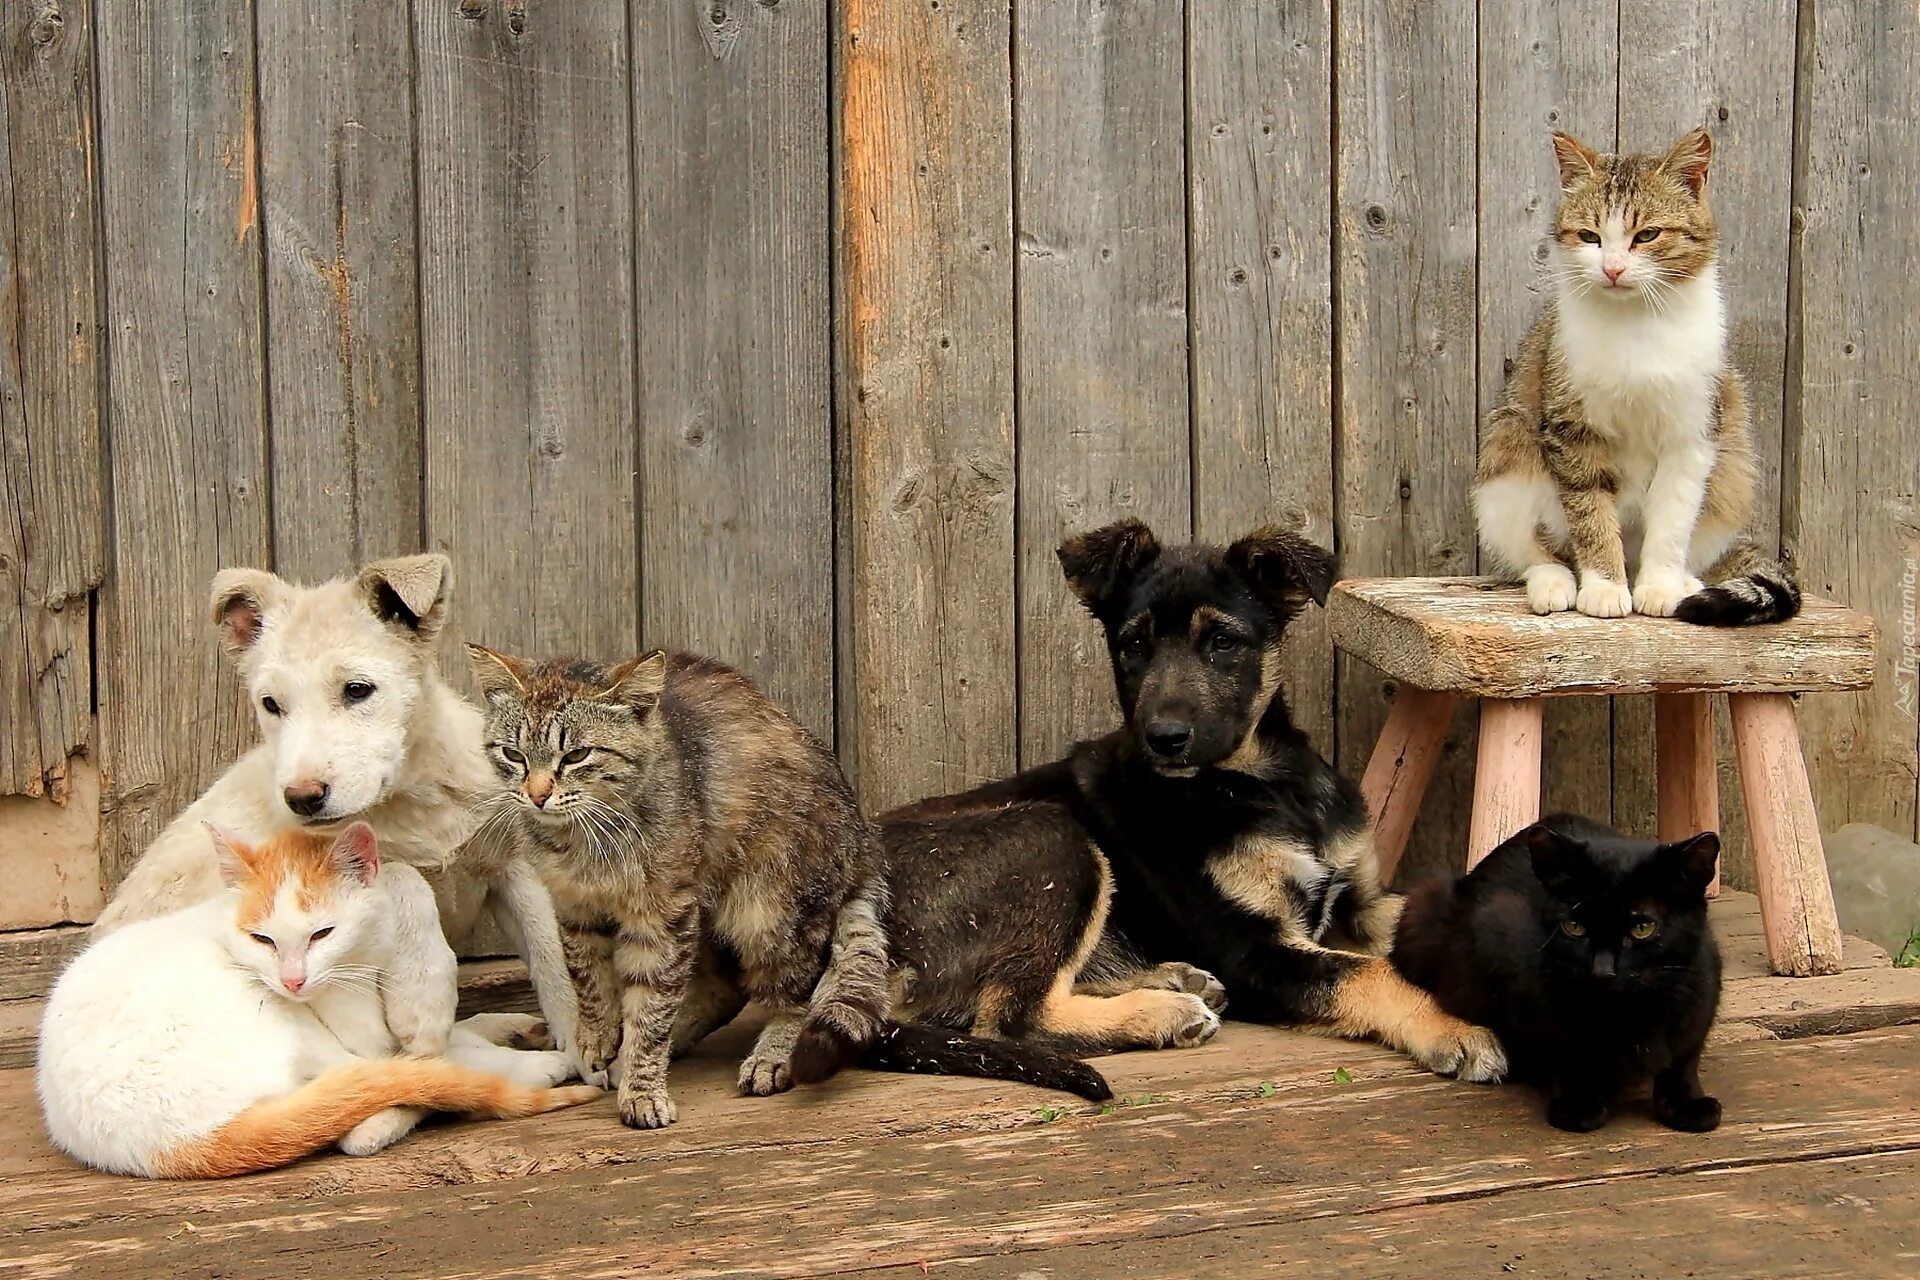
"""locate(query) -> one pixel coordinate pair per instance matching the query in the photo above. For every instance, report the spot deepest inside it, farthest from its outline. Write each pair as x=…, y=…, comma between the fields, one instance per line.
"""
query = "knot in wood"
x=47, y=24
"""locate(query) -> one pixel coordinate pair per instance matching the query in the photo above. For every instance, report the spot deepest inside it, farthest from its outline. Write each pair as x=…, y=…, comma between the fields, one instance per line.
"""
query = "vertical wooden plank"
x=51, y=525
x=186, y=414
x=343, y=342
x=1259, y=162
x=925, y=296
x=1101, y=325
x=1404, y=267
x=1729, y=68
x=1542, y=67
x=1851, y=523
x=526, y=271
x=730, y=211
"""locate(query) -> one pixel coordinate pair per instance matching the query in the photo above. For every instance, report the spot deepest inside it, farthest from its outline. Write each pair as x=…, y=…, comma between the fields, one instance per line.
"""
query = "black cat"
x=1589, y=955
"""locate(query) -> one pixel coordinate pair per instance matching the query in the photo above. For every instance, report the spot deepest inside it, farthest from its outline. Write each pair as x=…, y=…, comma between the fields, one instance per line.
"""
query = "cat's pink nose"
x=1614, y=272
x=293, y=981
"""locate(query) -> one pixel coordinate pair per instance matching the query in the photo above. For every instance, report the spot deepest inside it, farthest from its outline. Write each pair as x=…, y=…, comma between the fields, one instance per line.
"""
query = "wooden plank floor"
x=1265, y=1152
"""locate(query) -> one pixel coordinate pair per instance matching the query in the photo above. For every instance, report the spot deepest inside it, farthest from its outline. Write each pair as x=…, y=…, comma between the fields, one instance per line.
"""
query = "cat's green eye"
x=513, y=755
x=574, y=756
x=1646, y=235
x=1644, y=930
x=1573, y=928
x=1591, y=237
x=262, y=939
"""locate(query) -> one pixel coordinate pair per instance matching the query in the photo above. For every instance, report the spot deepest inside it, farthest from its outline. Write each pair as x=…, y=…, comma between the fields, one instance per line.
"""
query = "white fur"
x=162, y=1031
x=408, y=760
x=1645, y=358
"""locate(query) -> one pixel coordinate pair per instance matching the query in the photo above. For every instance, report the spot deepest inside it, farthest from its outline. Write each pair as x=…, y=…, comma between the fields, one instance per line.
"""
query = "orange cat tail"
x=322, y=1111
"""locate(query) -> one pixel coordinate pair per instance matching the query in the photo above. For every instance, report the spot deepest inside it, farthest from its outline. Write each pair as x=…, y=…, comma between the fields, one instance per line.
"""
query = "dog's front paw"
x=647, y=1108
x=1197, y=1024
x=1658, y=594
x=1196, y=982
x=1470, y=1053
x=1550, y=588
x=1603, y=598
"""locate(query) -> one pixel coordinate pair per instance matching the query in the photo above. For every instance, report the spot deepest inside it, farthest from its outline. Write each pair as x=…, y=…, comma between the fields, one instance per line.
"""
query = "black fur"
x=1745, y=602
x=1536, y=942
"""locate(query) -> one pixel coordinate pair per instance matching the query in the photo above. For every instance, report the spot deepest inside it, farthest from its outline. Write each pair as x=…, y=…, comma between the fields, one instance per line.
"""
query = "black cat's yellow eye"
x=1591, y=237
x=1573, y=928
x=1646, y=235
x=513, y=755
x=574, y=756
x=262, y=939
x=1644, y=930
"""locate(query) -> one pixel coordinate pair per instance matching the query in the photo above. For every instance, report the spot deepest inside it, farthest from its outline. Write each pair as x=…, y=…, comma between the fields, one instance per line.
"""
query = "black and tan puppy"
x=1071, y=903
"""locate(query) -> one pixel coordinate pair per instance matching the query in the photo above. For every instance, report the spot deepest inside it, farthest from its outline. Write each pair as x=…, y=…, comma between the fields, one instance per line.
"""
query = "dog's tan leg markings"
x=991, y=1010
x=1171, y=976
x=1373, y=1002
x=1376, y=913
x=1143, y=1019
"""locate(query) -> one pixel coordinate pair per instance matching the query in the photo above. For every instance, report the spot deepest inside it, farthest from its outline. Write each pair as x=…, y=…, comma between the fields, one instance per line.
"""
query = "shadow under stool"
x=1443, y=639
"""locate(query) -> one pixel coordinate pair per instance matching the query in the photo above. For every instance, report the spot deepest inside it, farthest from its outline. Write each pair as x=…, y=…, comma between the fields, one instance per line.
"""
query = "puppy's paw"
x=1195, y=982
x=1603, y=598
x=1576, y=1114
x=1550, y=588
x=1689, y=1115
x=647, y=1108
x=1658, y=595
x=763, y=1075
x=1463, y=1050
x=1194, y=1024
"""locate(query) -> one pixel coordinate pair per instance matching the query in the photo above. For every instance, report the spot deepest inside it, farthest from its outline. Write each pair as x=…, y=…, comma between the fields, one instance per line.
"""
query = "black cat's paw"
x=1689, y=1115
x=1576, y=1115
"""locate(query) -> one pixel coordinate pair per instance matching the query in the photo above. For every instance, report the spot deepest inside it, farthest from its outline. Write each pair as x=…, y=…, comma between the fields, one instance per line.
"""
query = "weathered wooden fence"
x=800, y=332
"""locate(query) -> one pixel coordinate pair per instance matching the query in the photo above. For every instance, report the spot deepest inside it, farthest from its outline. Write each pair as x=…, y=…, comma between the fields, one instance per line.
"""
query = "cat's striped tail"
x=1744, y=589
x=853, y=998
x=321, y=1112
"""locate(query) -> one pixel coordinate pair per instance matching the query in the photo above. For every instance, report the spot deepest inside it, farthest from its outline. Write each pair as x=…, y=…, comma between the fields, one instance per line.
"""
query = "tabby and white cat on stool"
x=1624, y=429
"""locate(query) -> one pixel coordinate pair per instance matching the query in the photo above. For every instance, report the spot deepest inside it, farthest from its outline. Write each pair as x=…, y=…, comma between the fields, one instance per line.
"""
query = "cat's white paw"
x=381, y=1130
x=1551, y=588
x=1603, y=598
x=1658, y=595
x=543, y=1068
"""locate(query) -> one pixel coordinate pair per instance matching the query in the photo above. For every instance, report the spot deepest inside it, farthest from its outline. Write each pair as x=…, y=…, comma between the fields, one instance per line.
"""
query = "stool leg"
x=1506, y=778
x=1689, y=783
x=1400, y=768
x=1796, y=899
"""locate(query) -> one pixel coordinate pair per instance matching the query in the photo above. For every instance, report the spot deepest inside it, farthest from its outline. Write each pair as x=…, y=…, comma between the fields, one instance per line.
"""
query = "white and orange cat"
x=249, y=1030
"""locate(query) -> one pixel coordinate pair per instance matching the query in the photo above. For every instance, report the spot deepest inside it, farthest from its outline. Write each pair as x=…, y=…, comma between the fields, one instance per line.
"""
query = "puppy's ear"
x=1101, y=565
x=1689, y=159
x=356, y=853
x=241, y=599
x=1284, y=567
x=1577, y=162
x=235, y=855
x=639, y=683
x=1693, y=861
x=499, y=674
x=412, y=593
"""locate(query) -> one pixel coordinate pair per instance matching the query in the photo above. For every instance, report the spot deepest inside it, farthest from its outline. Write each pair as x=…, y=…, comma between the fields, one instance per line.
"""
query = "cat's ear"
x=235, y=855
x=501, y=675
x=1554, y=859
x=1577, y=161
x=241, y=599
x=1100, y=565
x=1284, y=567
x=1694, y=861
x=410, y=593
x=639, y=683
x=1689, y=159
x=356, y=853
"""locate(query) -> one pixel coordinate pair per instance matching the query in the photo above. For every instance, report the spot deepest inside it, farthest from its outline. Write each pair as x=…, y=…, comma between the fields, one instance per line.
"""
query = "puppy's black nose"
x=1169, y=737
x=306, y=798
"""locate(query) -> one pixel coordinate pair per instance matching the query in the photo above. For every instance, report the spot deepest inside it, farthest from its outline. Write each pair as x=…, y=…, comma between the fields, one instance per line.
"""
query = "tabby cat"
x=1624, y=431
x=1589, y=955
x=702, y=848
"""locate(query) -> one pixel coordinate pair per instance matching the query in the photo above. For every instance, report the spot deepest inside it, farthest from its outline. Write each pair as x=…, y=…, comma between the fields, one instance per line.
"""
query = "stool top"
x=1477, y=636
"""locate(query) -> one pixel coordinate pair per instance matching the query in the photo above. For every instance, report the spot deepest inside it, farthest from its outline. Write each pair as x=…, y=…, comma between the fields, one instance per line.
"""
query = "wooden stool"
x=1448, y=638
